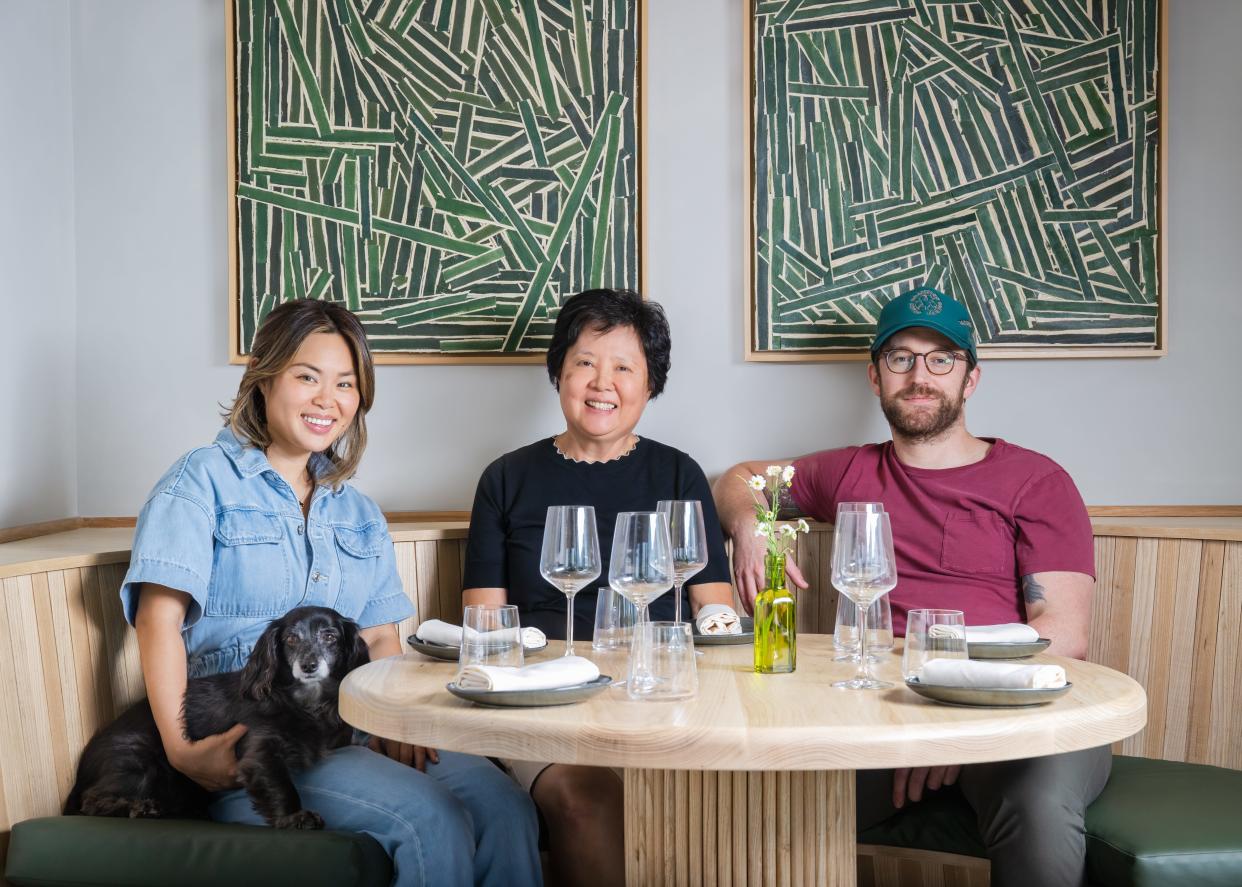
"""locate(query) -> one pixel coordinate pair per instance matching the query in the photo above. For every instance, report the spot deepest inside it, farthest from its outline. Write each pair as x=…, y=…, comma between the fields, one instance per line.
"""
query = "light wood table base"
x=691, y=827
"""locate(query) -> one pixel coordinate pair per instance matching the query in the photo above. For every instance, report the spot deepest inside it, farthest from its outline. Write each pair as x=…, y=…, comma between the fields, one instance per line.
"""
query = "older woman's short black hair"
x=604, y=309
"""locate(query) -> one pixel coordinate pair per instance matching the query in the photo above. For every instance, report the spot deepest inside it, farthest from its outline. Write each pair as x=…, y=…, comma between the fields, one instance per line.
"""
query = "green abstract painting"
x=450, y=170
x=1007, y=152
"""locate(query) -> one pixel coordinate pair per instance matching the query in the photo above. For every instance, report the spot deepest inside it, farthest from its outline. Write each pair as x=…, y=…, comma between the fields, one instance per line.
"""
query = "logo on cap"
x=925, y=302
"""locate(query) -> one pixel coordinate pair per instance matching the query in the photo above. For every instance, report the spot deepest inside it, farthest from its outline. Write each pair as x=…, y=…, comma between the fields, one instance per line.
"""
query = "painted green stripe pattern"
x=451, y=170
x=1005, y=152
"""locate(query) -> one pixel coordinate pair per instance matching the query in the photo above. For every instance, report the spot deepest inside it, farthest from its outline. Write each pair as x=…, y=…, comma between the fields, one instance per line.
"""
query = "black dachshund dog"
x=286, y=695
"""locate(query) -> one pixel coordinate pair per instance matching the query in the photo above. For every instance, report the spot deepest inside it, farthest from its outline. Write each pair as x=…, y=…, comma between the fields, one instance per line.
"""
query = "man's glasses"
x=938, y=363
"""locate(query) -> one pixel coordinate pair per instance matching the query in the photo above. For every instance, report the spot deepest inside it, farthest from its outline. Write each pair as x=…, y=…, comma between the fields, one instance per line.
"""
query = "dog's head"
x=306, y=647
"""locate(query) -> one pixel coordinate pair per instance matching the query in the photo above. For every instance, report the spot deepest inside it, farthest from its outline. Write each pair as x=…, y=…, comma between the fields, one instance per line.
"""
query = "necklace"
x=569, y=458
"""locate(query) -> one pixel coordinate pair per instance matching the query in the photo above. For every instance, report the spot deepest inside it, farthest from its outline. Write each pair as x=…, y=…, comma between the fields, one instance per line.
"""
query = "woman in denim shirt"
x=261, y=521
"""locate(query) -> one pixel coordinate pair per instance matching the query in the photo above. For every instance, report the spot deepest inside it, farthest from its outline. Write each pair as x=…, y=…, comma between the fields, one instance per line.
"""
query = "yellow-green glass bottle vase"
x=776, y=620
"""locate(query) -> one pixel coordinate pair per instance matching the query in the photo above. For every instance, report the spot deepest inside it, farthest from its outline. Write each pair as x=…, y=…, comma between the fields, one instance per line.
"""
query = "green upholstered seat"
x=1157, y=823
x=74, y=851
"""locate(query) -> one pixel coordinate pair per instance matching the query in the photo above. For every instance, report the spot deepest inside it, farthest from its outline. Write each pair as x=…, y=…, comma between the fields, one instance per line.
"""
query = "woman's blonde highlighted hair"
x=276, y=343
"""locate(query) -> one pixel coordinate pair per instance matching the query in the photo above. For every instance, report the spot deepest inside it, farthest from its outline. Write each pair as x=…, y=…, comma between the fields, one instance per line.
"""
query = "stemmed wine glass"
x=864, y=568
x=688, y=535
x=845, y=635
x=570, y=557
x=641, y=569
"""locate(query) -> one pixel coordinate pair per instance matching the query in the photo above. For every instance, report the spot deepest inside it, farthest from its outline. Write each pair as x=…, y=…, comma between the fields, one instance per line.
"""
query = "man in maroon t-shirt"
x=980, y=525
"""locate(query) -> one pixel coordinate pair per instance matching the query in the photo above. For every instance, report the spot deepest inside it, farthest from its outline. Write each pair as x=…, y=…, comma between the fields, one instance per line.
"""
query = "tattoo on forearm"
x=1032, y=591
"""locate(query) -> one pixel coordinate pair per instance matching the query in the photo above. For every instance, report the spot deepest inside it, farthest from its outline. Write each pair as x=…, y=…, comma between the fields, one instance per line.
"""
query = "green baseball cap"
x=930, y=308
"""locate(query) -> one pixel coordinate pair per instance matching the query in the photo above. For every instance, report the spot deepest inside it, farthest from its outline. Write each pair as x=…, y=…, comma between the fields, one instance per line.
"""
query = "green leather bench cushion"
x=1156, y=823
x=1163, y=823
x=74, y=851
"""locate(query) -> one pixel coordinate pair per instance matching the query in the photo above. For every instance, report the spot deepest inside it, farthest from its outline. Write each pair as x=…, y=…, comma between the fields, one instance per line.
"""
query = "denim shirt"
x=223, y=526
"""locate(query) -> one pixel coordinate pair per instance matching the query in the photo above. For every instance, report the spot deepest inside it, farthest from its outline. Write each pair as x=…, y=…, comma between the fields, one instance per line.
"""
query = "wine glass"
x=570, y=557
x=688, y=535
x=864, y=568
x=845, y=633
x=641, y=569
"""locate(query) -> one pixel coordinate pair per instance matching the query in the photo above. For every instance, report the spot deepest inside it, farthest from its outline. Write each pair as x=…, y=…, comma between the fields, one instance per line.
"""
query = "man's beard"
x=920, y=425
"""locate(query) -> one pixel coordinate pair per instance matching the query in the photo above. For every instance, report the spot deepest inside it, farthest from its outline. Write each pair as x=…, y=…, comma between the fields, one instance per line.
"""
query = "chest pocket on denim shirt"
x=975, y=542
x=250, y=576
x=359, y=550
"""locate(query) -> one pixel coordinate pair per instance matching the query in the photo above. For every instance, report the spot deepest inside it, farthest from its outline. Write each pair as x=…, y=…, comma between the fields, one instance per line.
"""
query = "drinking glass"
x=688, y=535
x=614, y=620
x=641, y=569
x=879, y=629
x=864, y=568
x=570, y=557
x=932, y=634
x=490, y=636
x=669, y=669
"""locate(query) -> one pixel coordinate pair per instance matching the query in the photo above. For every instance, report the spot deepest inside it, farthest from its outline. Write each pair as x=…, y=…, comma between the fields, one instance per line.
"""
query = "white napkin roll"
x=533, y=638
x=565, y=671
x=719, y=619
x=1005, y=633
x=991, y=675
x=438, y=632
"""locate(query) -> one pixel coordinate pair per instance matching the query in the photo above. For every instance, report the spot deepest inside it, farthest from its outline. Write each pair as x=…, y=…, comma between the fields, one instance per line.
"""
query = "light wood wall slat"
x=100, y=668
x=1225, y=745
x=1203, y=644
x=13, y=780
x=66, y=677
x=28, y=682
x=80, y=652
x=1143, y=603
x=1181, y=650
x=53, y=685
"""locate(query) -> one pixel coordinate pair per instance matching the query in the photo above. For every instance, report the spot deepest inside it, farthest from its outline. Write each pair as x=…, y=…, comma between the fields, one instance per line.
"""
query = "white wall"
x=38, y=478
x=148, y=80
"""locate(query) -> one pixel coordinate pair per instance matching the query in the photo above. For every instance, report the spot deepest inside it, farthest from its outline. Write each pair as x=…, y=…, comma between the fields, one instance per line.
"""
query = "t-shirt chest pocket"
x=250, y=576
x=975, y=542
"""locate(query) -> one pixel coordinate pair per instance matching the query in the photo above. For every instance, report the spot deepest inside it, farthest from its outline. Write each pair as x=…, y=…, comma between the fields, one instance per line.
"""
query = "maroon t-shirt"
x=965, y=536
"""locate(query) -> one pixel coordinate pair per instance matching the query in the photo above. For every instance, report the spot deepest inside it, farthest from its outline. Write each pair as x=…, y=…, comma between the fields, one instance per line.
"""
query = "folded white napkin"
x=565, y=671
x=438, y=632
x=1006, y=633
x=718, y=619
x=991, y=675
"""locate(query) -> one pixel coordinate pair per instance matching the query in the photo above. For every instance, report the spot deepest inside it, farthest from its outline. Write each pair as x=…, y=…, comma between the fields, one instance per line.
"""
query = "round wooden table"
x=752, y=781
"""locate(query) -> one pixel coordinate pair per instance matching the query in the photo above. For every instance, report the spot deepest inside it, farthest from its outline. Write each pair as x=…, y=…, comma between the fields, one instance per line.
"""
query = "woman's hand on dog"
x=414, y=755
x=212, y=761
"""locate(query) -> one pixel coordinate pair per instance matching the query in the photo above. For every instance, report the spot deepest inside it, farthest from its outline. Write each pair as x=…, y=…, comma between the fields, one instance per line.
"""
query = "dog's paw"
x=144, y=808
x=307, y=819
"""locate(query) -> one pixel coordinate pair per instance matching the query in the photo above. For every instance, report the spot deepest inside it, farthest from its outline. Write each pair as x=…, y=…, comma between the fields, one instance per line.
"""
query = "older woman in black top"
x=609, y=356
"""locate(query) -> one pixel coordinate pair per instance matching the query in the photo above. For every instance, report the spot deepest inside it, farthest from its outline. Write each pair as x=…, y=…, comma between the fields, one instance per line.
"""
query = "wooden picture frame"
x=424, y=162
x=833, y=190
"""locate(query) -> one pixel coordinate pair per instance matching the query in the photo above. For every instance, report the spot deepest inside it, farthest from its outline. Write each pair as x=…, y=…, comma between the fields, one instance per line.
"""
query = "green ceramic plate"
x=988, y=696
x=446, y=652
x=1009, y=650
x=530, y=698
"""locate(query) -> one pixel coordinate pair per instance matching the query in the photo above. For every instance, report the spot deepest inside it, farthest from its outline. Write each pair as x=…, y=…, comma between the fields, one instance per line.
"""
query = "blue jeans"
x=462, y=822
